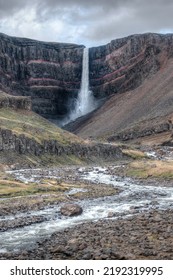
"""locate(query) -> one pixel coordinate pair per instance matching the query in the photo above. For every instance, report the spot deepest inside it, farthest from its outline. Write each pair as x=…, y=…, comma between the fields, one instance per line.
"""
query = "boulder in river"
x=71, y=209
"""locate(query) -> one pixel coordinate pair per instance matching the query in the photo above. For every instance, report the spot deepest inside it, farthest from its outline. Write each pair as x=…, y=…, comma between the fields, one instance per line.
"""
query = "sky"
x=87, y=22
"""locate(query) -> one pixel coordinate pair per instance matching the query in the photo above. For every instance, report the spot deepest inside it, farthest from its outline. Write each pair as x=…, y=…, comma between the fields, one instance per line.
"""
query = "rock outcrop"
x=48, y=72
x=138, y=133
x=21, y=144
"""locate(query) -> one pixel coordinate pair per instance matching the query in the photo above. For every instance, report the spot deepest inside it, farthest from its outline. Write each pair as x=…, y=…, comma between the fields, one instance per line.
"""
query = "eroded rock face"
x=21, y=144
x=48, y=72
x=125, y=63
x=71, y=209
x=14, y=102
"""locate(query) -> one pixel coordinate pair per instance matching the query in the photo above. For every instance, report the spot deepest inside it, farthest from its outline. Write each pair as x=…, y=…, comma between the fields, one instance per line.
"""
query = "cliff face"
x=21, y=144
x=48, y=72
x=125, y=63
x=51, y=72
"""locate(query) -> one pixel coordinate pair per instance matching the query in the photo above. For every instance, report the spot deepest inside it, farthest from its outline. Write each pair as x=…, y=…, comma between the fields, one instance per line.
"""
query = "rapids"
x=132, y=199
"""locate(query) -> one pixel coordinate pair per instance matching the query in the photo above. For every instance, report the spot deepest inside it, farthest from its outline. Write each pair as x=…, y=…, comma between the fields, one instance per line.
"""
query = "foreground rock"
x=71, y=210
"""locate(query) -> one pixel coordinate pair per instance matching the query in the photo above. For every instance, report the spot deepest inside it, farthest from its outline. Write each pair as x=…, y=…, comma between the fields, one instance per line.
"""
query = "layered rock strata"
x=125, y=63
x=48, y=72
x=15, y=102
x=51, y=72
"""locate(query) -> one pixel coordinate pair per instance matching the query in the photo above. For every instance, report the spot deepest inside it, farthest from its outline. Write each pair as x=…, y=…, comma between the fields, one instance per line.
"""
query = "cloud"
x=91, y=22
x=9, y=7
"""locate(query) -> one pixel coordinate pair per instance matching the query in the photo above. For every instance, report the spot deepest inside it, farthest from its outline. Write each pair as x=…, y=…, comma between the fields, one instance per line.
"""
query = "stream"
x=132, y=199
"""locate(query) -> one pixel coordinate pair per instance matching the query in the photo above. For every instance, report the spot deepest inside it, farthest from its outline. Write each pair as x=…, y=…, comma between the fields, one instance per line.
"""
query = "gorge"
x=51, y=74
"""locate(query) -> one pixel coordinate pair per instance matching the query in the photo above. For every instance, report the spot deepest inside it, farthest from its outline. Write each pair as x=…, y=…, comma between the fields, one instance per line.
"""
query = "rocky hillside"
x=48, y=72
x=27, y=140
x=145, y=111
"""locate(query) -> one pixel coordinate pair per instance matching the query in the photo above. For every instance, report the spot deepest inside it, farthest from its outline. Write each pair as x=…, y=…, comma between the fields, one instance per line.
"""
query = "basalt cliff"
x=125, y=63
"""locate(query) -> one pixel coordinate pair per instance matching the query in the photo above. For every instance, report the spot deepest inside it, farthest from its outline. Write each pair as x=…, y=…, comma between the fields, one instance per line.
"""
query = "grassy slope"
x=34, y=126
x=151, y=168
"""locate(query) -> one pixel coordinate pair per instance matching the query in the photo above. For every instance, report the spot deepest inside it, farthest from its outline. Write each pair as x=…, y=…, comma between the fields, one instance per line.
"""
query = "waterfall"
x=85, y=101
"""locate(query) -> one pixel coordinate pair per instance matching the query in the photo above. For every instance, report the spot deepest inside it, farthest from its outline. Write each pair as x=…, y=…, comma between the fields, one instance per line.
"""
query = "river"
x=132, y=199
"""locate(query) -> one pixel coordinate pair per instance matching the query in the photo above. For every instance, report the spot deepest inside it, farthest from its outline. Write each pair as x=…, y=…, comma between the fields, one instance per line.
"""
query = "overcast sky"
x=88, y=22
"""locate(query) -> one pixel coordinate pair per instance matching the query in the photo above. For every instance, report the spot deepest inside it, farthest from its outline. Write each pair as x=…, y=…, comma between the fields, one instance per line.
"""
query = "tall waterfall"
x=85, y=101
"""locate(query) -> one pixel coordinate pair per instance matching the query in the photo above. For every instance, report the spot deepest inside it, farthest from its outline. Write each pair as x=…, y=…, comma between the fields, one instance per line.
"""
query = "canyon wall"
x=48, y=72
x=125, y=63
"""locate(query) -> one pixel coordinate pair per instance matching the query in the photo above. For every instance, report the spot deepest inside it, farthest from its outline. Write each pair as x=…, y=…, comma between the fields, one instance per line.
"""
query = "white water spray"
x=85, y=102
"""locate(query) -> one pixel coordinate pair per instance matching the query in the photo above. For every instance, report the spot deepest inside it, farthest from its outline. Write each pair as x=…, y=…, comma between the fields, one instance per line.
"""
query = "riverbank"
x=143, y=236
x=123, y=218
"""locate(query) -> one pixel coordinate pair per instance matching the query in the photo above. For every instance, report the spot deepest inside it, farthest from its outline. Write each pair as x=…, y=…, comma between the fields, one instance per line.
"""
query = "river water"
x=132, y=199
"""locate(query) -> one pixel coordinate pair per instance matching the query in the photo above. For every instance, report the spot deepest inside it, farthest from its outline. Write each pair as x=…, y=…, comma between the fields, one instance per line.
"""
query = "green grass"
x=12, y=188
